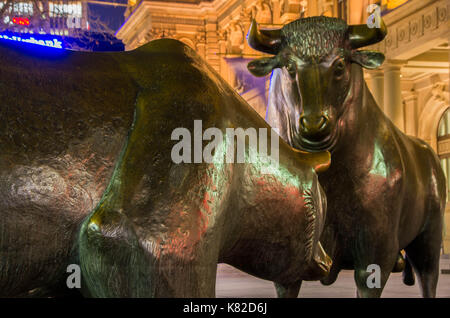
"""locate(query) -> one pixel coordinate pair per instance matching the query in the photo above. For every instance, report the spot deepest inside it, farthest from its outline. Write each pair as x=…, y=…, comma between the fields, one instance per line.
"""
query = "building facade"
x=411, y=87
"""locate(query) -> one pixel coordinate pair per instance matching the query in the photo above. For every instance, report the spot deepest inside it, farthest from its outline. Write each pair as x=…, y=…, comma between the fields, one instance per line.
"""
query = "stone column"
x=222, y=51
x=276, y=11
x=393, y=106
x=245, y=18
x=200, y=48
x=377, y=86
x=212, y=43
x=411, y=113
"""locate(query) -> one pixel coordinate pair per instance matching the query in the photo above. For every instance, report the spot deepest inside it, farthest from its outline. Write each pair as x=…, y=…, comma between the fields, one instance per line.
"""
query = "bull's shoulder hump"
x=161, y=60
x=162, y=46
x=170, y=67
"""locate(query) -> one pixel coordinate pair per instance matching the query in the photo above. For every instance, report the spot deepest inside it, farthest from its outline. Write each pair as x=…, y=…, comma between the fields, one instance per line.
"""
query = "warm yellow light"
x=391, y=4
x=131, y=2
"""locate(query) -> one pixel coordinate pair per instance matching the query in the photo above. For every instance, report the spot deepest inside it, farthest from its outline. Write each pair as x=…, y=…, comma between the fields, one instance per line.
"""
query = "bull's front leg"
x=112, y=261
x=115, y=263
x=288, y=291
x=374, y=260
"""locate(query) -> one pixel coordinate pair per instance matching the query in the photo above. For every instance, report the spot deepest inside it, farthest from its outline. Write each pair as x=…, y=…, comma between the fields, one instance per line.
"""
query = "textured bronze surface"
x=86, y=177
x=385, y=190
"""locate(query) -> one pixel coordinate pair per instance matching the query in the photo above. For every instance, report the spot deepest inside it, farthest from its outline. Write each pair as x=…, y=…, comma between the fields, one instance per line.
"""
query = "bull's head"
x=315, y=57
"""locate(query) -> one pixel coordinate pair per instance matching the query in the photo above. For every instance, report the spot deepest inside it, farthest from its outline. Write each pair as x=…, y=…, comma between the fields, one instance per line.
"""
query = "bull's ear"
x=368, y=59
x=320, y=161
x=262, y=66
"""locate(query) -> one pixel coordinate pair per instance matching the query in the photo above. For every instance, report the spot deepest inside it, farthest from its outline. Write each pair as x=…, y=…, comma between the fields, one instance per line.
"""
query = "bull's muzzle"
x=314, y=127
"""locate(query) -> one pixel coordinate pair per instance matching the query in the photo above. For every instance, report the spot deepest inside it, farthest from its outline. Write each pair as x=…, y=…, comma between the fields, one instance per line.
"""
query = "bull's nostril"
x=323, y=123
x=316, y=125
x=303, y=121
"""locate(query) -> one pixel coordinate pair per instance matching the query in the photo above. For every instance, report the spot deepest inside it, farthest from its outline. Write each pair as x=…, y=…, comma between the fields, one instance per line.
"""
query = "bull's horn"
x=361, y=35
x=267, y=41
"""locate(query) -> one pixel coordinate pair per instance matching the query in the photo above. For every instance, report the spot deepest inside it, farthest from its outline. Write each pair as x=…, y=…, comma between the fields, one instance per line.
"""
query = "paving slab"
x=232, y=283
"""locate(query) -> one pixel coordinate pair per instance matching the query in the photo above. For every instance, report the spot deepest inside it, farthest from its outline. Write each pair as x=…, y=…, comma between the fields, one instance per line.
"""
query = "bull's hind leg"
x=424, y=254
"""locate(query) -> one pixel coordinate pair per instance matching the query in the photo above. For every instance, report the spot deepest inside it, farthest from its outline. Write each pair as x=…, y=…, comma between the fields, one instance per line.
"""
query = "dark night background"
x=110, y=15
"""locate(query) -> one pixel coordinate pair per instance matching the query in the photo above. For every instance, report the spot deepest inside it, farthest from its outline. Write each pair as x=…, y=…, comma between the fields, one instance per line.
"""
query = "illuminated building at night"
x=58, y=24
x=45, y=17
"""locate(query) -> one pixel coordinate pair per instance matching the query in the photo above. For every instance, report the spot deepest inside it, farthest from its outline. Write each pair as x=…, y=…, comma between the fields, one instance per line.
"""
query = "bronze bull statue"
x=87, y=177
x=385, y=190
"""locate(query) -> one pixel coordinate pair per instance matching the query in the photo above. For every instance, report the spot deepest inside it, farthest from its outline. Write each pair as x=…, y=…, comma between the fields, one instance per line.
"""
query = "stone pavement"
x=233, y=283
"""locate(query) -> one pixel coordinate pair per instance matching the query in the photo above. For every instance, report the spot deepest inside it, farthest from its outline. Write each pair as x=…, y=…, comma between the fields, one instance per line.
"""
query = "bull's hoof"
x=408, y=279
x=330, y=279
x=327, y=281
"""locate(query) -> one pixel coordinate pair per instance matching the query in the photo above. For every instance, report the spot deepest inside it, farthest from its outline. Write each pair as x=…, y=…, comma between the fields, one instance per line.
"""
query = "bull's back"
x=64, y=121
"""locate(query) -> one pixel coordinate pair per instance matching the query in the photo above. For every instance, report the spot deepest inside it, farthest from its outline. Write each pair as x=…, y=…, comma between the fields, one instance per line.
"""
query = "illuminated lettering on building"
x=54, y=43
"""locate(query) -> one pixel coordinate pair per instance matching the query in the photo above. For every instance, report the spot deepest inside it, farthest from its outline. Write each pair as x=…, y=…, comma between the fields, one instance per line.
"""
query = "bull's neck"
x=360, y=116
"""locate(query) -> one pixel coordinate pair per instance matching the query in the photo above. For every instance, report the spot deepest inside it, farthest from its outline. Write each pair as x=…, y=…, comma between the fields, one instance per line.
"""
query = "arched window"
x=443, y=137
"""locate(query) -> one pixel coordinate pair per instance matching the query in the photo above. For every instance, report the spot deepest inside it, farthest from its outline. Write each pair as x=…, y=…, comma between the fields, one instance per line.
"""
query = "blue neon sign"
x=85, y=41
x=51, y=42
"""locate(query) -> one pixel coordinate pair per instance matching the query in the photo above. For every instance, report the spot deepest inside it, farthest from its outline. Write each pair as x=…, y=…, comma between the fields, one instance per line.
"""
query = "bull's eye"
x=339, y=69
